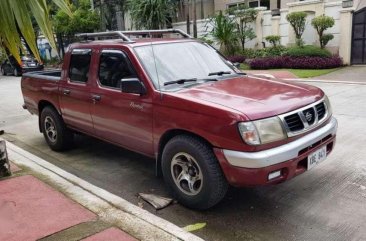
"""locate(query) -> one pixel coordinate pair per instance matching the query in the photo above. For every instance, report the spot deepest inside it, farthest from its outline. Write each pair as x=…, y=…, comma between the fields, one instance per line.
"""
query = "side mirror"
x=237, y=65
x=133, y=85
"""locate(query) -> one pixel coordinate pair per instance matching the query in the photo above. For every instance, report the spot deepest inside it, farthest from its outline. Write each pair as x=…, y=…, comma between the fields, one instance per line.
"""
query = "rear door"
x=121, y=118
x=75, y=97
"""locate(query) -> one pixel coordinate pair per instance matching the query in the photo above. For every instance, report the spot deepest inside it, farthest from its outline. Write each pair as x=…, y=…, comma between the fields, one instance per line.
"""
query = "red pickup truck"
x=178, y=100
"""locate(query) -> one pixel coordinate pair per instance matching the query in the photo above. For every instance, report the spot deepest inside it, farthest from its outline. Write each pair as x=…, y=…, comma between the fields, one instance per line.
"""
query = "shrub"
x=266, y=52
x=296, y=62
x=236, y=58
x=274, y=40
x=253, y=53
x=275, y=51
x=297, y=20
x=308, y=50
x=325, y=39
x=320, y=24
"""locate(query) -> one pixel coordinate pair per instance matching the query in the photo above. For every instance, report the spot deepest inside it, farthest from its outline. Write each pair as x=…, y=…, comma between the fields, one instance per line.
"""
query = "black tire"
x=213, y=186
x=59, y=138
x=15, y=72
x=3, y=72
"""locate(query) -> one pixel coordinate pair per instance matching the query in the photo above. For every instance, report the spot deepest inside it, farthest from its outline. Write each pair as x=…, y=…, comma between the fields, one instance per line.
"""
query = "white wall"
x=333, y=10
x=284, y=29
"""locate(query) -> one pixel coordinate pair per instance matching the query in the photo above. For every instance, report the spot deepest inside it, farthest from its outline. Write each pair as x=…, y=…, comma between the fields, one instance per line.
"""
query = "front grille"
x=301, y=120
x=320, y=109
x=294, y=122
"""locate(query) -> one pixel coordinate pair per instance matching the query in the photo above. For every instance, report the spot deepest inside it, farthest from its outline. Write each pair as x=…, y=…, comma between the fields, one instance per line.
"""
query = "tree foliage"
x=224, y=32
x=273, y=39
x=297, y=20
x=82, y=20
x=322, y=23
x=16, y=21
x=245, y=16
x=152, y=14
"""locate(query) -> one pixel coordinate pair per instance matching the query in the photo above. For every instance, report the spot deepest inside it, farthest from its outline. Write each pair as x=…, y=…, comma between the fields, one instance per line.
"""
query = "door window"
x=79, y=65
x=114, y=66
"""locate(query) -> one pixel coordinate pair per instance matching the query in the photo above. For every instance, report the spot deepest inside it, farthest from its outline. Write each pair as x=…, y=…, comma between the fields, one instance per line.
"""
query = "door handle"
x=96, y=98
x=66, y=92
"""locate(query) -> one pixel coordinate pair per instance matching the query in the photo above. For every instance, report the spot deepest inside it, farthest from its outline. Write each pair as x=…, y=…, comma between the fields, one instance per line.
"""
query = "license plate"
x=316, y=157
x=32, y=65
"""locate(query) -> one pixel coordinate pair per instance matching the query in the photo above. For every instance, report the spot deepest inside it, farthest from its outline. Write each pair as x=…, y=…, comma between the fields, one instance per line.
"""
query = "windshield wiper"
x=180, y=81
x=219, y=73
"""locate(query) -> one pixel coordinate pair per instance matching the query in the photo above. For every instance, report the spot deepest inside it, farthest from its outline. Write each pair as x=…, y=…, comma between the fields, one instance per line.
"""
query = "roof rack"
x=123, y=34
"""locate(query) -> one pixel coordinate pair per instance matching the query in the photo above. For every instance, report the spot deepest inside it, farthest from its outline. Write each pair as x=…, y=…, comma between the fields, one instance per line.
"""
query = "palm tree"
x=152, y=14
x=16, y=15
x=224, y=32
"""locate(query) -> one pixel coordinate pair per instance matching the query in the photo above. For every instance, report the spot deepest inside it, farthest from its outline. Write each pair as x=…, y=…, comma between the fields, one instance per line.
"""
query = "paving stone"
x=30, y=210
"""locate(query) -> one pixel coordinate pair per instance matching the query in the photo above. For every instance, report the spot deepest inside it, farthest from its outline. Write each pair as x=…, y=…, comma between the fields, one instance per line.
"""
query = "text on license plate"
x=316, y=157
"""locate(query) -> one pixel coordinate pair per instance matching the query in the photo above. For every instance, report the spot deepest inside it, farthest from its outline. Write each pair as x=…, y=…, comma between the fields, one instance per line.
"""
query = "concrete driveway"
x=347, y=74
x=326, y=203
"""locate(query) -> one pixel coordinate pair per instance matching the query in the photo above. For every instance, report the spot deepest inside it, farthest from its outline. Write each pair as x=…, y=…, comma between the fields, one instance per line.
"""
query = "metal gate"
x=358, y=55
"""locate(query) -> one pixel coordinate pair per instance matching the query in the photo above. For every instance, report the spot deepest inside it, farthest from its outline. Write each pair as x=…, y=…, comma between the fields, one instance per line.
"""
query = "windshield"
x=181, y=61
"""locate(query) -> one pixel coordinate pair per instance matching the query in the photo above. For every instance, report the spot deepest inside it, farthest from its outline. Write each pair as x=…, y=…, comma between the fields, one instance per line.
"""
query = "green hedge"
x=266, y=52
x=309, y=51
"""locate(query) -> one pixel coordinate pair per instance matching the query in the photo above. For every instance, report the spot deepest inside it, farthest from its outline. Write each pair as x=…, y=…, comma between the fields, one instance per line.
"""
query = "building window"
x=254, y=4
x=235, y=5
x=250, y=3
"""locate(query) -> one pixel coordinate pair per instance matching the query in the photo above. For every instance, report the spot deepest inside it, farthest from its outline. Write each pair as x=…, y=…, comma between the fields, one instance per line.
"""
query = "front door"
x=358, y=55
x=75, y=98
x=122, y=118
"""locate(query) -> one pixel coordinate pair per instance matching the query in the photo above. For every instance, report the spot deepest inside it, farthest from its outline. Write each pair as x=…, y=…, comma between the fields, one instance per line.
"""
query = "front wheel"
x=54, y=130
x=192, y=172
x=2, y=71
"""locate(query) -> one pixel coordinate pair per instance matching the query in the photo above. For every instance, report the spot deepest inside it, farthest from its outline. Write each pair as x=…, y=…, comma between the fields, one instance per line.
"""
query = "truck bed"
x=54, y=75
x=40, y=86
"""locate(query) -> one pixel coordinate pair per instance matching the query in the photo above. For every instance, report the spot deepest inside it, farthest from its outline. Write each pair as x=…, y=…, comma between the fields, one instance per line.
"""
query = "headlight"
x=329, y=107
x=262, y=131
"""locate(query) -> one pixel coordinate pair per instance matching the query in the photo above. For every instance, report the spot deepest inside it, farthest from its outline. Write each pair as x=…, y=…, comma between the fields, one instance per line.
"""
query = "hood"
x=255, y=97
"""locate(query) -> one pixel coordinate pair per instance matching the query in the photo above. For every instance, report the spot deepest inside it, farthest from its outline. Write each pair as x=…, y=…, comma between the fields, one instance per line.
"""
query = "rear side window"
x=114, y=66
x=79, y=65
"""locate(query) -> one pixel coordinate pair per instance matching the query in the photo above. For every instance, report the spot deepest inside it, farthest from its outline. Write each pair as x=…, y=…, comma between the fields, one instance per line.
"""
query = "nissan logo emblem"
x=309, y=116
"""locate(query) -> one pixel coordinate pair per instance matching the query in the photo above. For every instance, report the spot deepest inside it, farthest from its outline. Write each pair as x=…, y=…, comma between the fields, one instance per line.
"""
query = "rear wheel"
x=54, y=130
x=2, y=71
x=193, y=173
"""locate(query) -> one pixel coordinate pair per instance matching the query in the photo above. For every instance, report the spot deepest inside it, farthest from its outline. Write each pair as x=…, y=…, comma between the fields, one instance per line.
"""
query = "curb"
x=102, y=202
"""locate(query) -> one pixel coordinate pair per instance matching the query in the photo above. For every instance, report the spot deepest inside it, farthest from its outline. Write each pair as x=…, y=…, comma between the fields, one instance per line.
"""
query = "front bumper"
x=253, y=168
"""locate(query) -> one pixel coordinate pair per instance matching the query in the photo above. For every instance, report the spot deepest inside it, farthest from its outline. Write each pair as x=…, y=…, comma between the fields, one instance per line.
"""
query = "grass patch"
x=309, y=73
x=300, y=73
x=244, y=66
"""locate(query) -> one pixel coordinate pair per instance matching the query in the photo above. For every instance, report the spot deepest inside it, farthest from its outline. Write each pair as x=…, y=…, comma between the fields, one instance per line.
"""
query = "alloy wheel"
x=186, y=173
x=50, y=129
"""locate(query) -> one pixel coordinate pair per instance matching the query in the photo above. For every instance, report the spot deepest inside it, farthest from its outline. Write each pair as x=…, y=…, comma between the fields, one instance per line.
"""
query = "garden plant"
x=297, y=20
x=321, y=24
